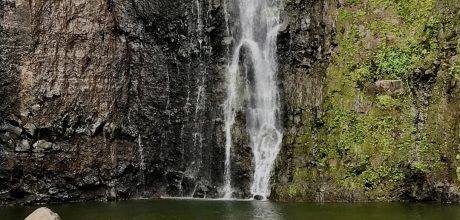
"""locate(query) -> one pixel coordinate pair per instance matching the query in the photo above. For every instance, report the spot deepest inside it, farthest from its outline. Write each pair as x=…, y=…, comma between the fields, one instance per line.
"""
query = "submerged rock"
x=43, y=213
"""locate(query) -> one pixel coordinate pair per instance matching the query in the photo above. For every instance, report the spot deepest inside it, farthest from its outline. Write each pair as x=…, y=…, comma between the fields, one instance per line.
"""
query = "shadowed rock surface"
x=110, y=99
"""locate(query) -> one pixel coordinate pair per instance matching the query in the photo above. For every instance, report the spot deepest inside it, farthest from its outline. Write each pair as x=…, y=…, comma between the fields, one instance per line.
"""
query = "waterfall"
x=258, y=27
x=142, y=165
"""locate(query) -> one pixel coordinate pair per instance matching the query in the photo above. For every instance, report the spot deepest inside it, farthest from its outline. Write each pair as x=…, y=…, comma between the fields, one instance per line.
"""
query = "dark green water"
x=244, y=210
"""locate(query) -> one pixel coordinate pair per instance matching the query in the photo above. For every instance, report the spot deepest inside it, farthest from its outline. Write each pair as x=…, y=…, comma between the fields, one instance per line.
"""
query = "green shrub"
x=392, y=63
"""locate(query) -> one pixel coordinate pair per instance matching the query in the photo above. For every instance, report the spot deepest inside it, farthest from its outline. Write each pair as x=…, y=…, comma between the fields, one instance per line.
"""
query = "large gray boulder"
x=43, y=213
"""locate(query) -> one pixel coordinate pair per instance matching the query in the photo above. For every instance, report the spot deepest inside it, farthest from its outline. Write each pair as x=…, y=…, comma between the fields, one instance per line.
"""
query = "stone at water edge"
x=259, y=197
x=43, y=213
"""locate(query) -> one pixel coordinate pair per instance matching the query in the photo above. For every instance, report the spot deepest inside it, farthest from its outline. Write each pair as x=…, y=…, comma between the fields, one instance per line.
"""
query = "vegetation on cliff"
x=388, y=128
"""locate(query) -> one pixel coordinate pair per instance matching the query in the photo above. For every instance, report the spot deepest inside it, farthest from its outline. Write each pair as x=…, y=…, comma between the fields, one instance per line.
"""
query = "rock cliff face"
x=110, y=99
x=386, y=125
x=120, y=99
x=114, y=99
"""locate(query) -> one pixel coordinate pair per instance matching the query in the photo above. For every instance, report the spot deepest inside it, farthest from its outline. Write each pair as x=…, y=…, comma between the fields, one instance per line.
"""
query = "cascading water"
x=142, y=165
x=258, y=29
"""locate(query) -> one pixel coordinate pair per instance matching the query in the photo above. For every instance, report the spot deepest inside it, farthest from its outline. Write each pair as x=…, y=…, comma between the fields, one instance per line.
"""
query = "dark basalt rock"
x=83, y=97
x=259, y=197
x=204, y=190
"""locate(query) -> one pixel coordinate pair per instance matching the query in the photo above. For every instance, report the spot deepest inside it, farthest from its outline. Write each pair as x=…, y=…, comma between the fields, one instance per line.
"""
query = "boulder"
x=43, y=213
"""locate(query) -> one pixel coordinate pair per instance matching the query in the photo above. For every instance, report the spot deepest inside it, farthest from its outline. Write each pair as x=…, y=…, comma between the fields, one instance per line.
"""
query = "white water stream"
x=258, y=25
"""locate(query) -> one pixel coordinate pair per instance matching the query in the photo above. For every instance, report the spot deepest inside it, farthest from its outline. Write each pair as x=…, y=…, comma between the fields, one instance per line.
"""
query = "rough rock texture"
x=110, y=99
x=118, y=99
x=43, y=213
x=387, y=125
x=305, y=48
